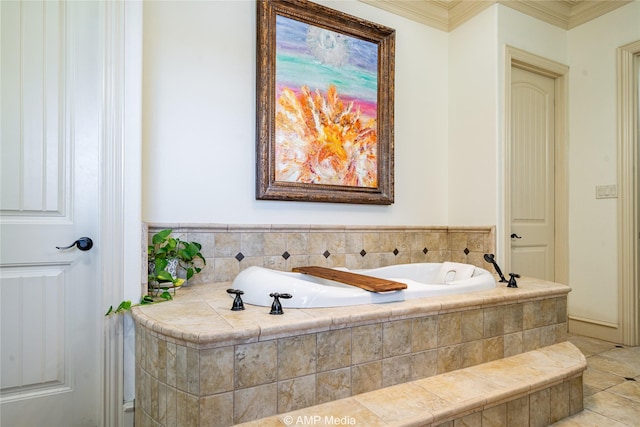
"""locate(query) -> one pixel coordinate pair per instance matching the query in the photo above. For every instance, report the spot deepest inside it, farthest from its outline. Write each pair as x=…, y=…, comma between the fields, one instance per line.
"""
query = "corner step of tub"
x=536, y=388
x=369, y=283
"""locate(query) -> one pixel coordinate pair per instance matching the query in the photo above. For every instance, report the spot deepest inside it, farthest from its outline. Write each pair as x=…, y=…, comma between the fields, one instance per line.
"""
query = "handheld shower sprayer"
x=490, y=258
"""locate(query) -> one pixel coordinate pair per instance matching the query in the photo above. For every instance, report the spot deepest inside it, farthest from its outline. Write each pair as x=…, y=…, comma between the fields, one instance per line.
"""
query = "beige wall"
x=199, y=120
x=473, y=121
x=593, y=238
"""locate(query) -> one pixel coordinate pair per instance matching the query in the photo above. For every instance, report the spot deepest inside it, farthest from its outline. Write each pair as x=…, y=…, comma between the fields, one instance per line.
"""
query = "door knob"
x=515, y=236
x=83, y=243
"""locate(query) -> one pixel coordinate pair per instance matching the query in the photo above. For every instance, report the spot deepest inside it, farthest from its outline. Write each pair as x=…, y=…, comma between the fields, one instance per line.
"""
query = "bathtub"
x=422, y=280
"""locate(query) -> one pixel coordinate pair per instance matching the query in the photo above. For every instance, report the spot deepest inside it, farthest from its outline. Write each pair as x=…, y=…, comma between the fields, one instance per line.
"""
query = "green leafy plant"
x=145, y=300
x=166, y=255
x=164, y=248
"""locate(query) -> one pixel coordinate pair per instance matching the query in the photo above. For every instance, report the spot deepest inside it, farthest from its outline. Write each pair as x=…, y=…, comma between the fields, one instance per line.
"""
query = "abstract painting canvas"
x=325, y=105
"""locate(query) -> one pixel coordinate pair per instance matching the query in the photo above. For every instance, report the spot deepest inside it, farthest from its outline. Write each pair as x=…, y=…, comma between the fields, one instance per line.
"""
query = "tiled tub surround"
x=230, y=249
x=535, y=389
x=200, y=364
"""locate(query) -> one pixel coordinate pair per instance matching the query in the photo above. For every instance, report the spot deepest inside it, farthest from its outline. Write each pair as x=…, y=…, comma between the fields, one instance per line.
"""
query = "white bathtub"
x=423, y=280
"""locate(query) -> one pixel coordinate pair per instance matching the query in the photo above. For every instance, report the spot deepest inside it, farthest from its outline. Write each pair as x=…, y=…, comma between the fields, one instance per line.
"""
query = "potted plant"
x=169, y=256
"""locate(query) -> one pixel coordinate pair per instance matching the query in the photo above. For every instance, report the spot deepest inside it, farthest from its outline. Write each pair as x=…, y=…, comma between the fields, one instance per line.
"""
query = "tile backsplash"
x=230, y=248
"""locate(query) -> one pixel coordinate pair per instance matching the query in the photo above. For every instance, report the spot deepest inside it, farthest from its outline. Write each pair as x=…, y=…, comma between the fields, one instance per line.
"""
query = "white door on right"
x=532, y=166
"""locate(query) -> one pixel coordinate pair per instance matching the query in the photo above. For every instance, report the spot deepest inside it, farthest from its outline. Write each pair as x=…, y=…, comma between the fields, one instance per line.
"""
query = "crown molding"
x=447, y=15
x=554, y=12
x=585, y=11
x=431, y=13
x=462, y=11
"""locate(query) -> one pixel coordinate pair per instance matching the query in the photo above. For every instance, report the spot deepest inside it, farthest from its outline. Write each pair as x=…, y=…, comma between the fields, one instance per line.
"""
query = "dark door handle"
x=83, y=243
x=515, y=236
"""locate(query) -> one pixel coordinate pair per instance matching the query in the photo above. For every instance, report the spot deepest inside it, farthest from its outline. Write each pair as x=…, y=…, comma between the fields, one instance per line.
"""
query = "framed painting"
x=324, y=110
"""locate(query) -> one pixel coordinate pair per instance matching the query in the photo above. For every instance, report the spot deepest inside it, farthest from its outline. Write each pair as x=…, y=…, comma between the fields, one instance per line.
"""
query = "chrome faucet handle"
x=276, y=307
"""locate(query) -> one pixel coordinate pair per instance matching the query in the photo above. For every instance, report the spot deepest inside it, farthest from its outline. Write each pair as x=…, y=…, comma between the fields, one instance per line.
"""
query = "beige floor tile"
x=588, y=390
x=623, y=368
x=590, y=346
x=607, y=366
x=588, y=419
x=625, y=355
x=600, y=379
x=613, y=406
x=628, y=389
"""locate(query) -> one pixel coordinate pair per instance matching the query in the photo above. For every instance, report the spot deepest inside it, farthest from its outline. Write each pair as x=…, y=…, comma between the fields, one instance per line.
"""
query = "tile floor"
x=611, y=385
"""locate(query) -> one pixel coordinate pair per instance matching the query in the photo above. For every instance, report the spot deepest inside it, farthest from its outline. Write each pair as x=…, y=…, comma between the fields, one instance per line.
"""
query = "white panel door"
x=532, y=166
x=49, y=129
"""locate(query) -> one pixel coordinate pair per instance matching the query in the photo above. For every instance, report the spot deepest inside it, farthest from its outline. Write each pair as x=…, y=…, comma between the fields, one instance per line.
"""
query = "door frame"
x=518, y=58
x=628, y=64
x=121, y=218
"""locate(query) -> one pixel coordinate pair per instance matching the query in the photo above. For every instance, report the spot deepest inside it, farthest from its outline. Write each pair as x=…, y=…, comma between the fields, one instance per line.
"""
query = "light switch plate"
x=606, y=191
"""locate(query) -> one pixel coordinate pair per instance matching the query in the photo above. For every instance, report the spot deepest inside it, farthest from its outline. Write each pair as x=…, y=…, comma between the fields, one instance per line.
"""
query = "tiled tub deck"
x=200, y=364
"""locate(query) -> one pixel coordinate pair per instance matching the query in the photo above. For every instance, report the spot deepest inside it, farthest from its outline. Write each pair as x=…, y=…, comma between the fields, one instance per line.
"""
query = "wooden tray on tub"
x=369, y=283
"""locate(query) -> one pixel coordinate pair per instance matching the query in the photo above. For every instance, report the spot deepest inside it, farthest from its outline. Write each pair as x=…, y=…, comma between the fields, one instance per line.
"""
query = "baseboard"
x=128, y=411
x=594, y=329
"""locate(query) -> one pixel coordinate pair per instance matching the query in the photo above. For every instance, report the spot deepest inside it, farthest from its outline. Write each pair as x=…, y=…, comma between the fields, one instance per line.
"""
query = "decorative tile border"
x=230, y=249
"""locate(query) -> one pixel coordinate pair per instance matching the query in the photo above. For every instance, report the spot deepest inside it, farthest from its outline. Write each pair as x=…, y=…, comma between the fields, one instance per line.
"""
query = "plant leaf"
x=161, y=264
x=161, y=236
x=164, y=276
x=124, y=306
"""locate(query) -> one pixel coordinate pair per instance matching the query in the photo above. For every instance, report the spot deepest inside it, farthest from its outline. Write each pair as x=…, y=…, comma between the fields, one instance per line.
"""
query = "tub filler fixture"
x=307, y=291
